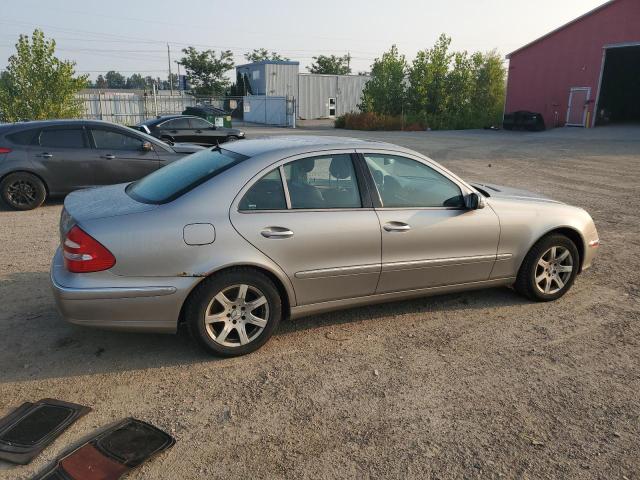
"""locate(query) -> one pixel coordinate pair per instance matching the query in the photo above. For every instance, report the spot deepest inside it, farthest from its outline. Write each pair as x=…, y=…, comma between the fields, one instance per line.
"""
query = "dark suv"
x=54, y=157
x=188, y=128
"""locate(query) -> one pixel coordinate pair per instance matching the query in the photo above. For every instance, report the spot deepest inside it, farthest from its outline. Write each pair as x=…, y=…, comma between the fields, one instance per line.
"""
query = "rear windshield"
x=177, y=178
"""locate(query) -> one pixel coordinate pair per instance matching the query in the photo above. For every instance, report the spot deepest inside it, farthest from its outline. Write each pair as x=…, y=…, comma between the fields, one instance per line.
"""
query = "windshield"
x=177, y=178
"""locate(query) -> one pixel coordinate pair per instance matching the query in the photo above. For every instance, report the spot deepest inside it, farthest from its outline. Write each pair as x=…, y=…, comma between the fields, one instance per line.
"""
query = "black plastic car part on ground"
x=28, y=430
x=523, y=120
x=111, y=453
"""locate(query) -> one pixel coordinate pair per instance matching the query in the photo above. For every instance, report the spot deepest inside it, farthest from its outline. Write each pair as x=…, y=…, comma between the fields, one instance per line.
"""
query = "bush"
x=376, y=121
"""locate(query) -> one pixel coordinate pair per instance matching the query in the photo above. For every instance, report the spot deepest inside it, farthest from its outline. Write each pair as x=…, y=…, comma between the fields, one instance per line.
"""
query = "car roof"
x=55, y=123
x=294, y=144
x=154, y=121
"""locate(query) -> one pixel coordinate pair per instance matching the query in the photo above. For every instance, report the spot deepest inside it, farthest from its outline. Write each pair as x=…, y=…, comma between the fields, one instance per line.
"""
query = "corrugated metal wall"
x=281, y=79
x=315, y=90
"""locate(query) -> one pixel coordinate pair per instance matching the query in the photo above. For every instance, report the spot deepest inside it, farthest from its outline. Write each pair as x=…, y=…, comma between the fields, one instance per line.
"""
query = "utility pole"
x=169, y=59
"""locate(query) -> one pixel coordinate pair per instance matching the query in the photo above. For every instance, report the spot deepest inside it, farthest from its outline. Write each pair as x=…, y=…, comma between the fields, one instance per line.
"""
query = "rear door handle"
x=45, y=155
x=108, y=156
x=276, y=232
x=397, y=227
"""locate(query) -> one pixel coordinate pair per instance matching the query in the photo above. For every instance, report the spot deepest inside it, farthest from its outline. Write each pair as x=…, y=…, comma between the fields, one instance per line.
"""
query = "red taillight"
x=5, y=150
x=83, y=253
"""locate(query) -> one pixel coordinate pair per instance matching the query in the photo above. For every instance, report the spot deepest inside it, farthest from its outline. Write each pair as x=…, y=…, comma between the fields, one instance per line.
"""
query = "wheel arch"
x=30, y=172
x=288, y=297
x=572, y=234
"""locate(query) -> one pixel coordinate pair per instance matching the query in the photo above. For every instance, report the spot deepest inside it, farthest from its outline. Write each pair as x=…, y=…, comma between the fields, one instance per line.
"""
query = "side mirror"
x=475, y=201
x=146, y=146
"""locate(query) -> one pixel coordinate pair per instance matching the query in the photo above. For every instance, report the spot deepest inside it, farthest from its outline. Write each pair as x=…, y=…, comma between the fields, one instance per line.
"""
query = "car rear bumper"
x=110, y=301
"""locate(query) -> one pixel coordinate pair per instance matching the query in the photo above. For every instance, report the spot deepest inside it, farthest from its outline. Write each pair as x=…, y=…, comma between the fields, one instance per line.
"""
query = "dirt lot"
x=475, y=385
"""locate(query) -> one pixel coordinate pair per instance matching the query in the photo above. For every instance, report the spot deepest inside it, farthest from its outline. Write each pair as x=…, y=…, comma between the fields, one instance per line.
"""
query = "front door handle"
x=45, y=155
x=198, y=131
x=108, y=156
x=276, y=232
x=397, y=227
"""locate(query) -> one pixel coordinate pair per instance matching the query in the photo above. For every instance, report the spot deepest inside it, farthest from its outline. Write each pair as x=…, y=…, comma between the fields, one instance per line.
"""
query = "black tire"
x=531, y=269
x=22, y=191
x=232, y=138
x=203, y=302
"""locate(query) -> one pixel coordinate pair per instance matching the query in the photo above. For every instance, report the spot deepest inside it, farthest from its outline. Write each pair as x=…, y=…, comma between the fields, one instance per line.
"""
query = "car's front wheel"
x=22, y=191
x=234, y=312
x=549, y=269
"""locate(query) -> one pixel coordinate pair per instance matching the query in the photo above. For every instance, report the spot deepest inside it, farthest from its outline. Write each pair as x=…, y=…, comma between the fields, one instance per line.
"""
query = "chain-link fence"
x=130, y=108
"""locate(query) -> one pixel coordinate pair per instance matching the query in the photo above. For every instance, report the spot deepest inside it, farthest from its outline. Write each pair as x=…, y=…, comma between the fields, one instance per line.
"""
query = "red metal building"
x=584, y=73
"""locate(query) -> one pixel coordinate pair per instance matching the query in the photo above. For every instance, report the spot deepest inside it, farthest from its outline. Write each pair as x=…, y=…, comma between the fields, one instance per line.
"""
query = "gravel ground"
x=476, y=385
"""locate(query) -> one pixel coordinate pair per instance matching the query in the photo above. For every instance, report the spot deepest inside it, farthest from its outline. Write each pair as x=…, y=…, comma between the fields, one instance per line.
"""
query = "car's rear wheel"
x=232, y=138
x=22, y=191
x=549, y=269
x=234, y=312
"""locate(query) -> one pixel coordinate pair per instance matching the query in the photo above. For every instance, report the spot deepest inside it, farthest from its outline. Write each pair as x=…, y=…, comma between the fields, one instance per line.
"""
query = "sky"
x=132, y=36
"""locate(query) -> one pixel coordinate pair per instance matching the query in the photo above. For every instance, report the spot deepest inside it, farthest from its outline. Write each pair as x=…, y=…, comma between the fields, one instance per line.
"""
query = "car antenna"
x=217, y=147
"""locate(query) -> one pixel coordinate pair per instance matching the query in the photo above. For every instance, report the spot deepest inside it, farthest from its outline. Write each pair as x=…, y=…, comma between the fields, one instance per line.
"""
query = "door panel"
x=178, y=129
x=65, y=155
x=578, y=98
x=440, y=247
x=329, y=255
x=327, y=244
x=119, y=157
x=429, y=237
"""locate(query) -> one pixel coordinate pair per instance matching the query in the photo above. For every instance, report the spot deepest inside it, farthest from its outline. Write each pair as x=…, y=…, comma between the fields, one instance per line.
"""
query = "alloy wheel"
x=237, y=315
x=553, y=270
x=22, y=193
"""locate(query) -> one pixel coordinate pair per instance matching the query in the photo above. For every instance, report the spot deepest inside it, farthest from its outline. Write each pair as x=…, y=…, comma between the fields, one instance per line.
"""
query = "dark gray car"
x=54, y=157
x=189, y=128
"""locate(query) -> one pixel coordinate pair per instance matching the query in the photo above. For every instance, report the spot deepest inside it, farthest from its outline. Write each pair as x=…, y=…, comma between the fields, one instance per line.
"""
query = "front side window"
x=406, y=183
x=62, y=138
x=323, y=182
x=177, y=178
x=111, y=140
x=266, y=194
x=199, y=123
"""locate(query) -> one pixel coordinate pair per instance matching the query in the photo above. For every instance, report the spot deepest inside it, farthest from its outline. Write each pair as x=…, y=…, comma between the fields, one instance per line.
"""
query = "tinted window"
x=266, y=194
x=177, y=178
x=408, y=183
x=112, y=140
x=62, y=138
x=24, y=137
x=323, y=182
x=177, y=124
x=199, y=123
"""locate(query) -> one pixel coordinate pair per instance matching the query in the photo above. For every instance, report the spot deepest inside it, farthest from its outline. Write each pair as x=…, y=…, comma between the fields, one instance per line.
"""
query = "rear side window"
x=177, y=178
x=63, y=138
x=266, y=194
x=177, y=124
x=110, y=140
x=24, y=137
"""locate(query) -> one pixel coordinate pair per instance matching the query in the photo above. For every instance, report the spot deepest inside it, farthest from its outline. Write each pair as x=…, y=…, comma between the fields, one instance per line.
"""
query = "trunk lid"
x=111, y=201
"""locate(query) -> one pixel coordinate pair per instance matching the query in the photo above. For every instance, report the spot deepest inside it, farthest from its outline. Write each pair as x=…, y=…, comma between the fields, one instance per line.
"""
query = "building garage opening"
x=619, y=100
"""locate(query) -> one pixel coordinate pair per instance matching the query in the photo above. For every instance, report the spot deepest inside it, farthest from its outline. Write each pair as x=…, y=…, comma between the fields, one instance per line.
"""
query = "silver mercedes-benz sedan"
x=231, y=240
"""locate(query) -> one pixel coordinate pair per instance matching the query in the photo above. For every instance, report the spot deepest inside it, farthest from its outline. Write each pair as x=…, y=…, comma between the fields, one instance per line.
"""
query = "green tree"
x=385, y=92
x=262, y=54
x=100, y=82
x=427, y=91
x=490, y=89
x=37, y=85
x=115, y=79
x=206, y=70
x=136, y=81
x=331, y=64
